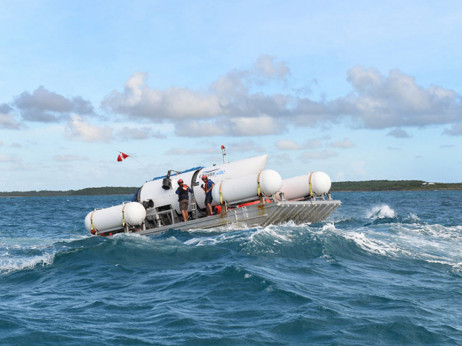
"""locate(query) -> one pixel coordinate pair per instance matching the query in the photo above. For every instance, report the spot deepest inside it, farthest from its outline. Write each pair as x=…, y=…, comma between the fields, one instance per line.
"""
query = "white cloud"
x=267, y=67
x=396, y=100
x=78, y=128
x=138, y=100
x=229, y=96
x=7, y=120
x=240, y=104
x=311, y=113
x=238, y=82
x=46, y=106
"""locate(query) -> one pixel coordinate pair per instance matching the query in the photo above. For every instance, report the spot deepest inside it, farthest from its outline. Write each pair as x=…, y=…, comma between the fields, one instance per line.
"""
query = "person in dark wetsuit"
x=207, y=187
x=183, y=197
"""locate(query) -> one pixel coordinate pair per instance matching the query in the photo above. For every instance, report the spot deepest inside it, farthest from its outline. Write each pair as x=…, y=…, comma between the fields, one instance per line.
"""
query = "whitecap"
x=329, y=227
x=430, y=243
x=213, y=240
x=413, y=217
x=381, y=212
x=11, y=264
x=457, y=268
x=384, y=248
x=274, y=232
x=201, y=241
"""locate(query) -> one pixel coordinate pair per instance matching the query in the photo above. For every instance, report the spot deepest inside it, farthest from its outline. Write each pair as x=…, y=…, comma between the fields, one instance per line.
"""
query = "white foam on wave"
x=435, y=235
x=130, y=236
x=275, y=232
x=10, y=264
x=376, y=246
x=202, y=241
x=457, y=268
x=368, y=240
x=436, y=231
x=292, y=225
x=413, y=217
x=14, y=252
x=433, y=243
x=225, y=233
x=329, y=227
x=213, y=240
x=381, y=212
x=134, y=240
x=430, y=243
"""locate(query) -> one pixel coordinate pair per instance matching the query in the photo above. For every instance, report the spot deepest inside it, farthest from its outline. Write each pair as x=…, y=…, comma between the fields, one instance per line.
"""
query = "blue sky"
x=361, y=90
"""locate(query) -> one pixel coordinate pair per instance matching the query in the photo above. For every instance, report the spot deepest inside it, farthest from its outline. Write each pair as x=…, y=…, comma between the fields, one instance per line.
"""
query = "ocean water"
x=385, y=268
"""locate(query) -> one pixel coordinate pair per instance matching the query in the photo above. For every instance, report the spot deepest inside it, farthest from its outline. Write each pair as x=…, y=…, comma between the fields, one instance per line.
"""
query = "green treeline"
x=108, y=190
x=371, y=185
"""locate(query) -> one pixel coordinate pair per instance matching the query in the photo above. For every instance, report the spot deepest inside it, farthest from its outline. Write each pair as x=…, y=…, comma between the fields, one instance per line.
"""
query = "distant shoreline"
x=90, y=191
x=345, y=186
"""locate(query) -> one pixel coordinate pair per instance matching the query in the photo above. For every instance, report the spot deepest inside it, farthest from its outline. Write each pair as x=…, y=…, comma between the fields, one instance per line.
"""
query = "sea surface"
x=385, y=268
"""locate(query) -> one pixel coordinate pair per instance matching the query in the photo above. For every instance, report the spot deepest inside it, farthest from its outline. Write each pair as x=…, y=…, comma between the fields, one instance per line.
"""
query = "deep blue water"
x=385, y=268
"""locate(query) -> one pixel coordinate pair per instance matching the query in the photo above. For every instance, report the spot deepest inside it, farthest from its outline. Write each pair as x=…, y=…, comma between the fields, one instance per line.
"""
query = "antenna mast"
x=223, y=153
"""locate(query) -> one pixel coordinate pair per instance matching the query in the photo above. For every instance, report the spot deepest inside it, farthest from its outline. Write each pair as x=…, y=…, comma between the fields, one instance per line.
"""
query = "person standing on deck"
x=183, y=197
x=207, y=187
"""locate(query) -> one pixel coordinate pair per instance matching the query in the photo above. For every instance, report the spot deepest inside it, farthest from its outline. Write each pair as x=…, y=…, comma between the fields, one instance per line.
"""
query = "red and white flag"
x=122, y=156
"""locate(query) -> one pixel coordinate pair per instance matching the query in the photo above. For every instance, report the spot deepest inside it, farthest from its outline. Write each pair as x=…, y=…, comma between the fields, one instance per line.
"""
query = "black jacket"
x=183, y=191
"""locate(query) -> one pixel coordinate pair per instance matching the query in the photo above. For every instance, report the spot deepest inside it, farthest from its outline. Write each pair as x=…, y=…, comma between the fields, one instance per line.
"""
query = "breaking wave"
x=381, y=212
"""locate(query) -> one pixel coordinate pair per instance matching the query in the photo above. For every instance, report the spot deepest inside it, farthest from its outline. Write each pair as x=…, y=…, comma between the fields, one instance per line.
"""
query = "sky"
x=362, y=90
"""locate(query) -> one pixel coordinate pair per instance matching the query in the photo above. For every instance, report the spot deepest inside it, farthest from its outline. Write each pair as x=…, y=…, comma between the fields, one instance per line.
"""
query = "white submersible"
x=244, y=190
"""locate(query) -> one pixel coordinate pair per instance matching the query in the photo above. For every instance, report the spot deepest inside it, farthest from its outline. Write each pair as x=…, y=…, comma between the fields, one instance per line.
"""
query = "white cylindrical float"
x=132, y=213
x=316, y=183
x=265, y=183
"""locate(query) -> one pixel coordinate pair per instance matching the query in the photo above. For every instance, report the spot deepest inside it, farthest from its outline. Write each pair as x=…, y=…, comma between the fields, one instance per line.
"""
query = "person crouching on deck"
x=183, y=197
x=209, y=184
